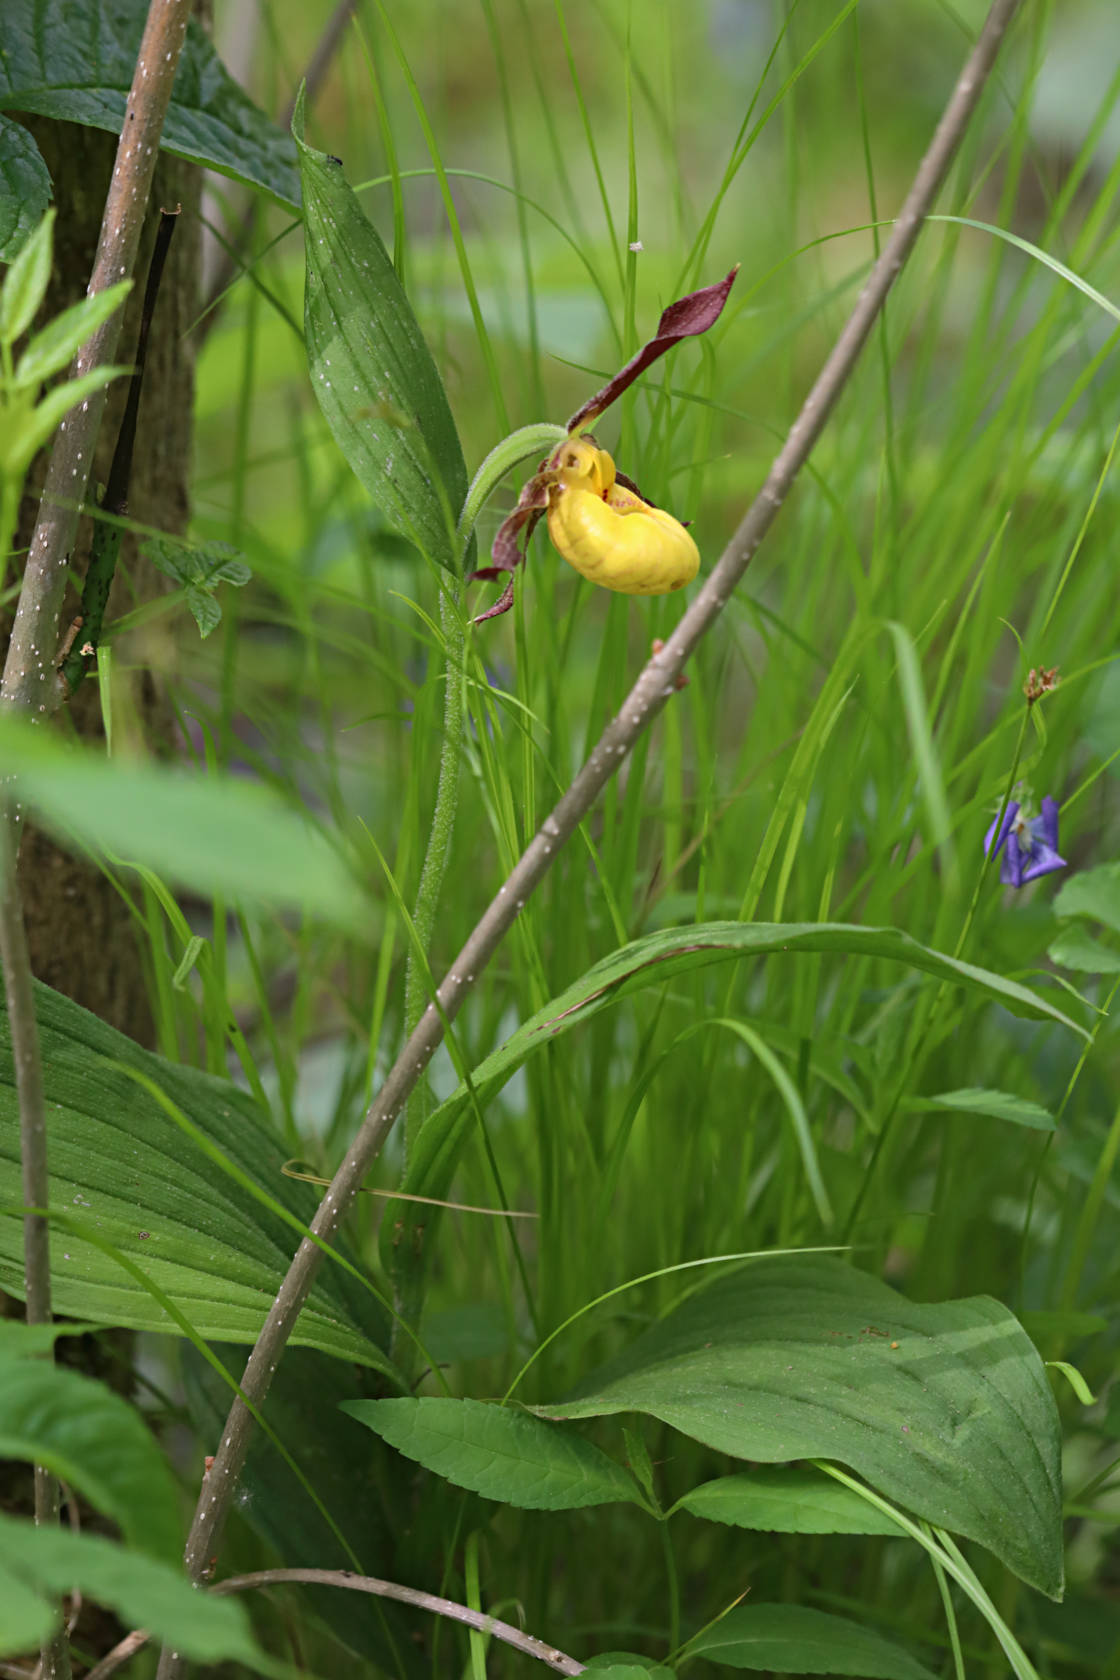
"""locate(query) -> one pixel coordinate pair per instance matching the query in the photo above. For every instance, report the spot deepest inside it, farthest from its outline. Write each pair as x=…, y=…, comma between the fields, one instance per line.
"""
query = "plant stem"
x=107, y=537
x=30, y=682
x=655, y=685
x=442, y=829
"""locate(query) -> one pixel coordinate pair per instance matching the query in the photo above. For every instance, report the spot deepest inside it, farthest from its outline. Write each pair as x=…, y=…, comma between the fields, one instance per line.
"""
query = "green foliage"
x=25, y=422
x=894, y=1068
x=37, y=1564
x=1092, y=896
x=944, y=1408
x=792, y=1639
x=499, y=1452
x=76, y=62
x=199, y=571
x=373, y=374
x=786, y=1501
x=211, y=833
x=25, y=187
x=169, y=1190
x=90, y=1438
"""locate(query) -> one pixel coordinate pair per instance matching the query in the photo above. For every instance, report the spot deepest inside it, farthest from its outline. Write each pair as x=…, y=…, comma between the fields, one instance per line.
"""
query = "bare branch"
x=31, y=682
x=523, y=1642
x=655, y=685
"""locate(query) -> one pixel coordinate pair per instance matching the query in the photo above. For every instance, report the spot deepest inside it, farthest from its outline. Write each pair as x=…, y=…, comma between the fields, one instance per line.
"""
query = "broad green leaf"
x=792, y=1639
x=1000, y=1105
x=28, y=1341
x=76, y=62
x=1070, y=1326
x=786, y=1501
x=48, y=1562
x=27, y=1617
x=124, y=1172
x=499, y=1452
x=302, y=1411
x=25, y=187
x=371, y=370
x=55, y=346
x=25, y=283
x=92, y=1438
x=1094, y=893
x=944, y=1408
x=212, y=833
x=1075, y=947
x=620, y=1665
x=653, y=961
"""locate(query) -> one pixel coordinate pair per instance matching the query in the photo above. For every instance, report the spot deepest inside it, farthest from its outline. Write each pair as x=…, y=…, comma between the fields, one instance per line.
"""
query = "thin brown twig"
x=655, y=685
x=31, y=682
x=449, y=1607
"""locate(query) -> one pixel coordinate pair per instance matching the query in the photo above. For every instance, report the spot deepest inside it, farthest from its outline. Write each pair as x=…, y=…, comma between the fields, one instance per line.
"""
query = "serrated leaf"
x=372, y=372
x=92, y=1438
x=999, y=1105
x=793, y=1639
x=25, y=283
x=1075, y=947
x=944, y=1408
x=1094, y=893
x=205, y=610
x=47, y=1562
x=498, y=1451
x=75, y=61
x=55, y=346
x=175, y=560
x=25, y=187
x=211, y=833
x=786, y=1501
x=128, y=1175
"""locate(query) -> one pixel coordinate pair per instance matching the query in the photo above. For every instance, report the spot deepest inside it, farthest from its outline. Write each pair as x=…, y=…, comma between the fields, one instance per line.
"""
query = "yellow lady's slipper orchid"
x=598, y=520
x=608, y=533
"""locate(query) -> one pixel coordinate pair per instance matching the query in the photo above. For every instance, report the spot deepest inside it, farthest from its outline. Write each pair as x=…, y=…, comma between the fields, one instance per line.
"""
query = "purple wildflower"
x=1031, y=843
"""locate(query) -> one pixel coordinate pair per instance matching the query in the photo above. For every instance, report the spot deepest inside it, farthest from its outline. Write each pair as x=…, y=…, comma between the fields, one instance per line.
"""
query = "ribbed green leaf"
x=25, y=187
x=944, y=1408
x=75, y=61
x=499, y=1452
x=124, y=1172
x=792, y=1639
x=371, y=370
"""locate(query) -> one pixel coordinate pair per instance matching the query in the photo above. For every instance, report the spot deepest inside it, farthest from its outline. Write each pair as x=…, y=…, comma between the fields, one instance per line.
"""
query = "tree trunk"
x=79, y=930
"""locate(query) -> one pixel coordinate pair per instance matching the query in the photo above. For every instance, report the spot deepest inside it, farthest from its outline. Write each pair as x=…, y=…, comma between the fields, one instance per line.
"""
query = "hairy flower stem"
x=31, y=682
x=655, y=685
x=439, y=835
